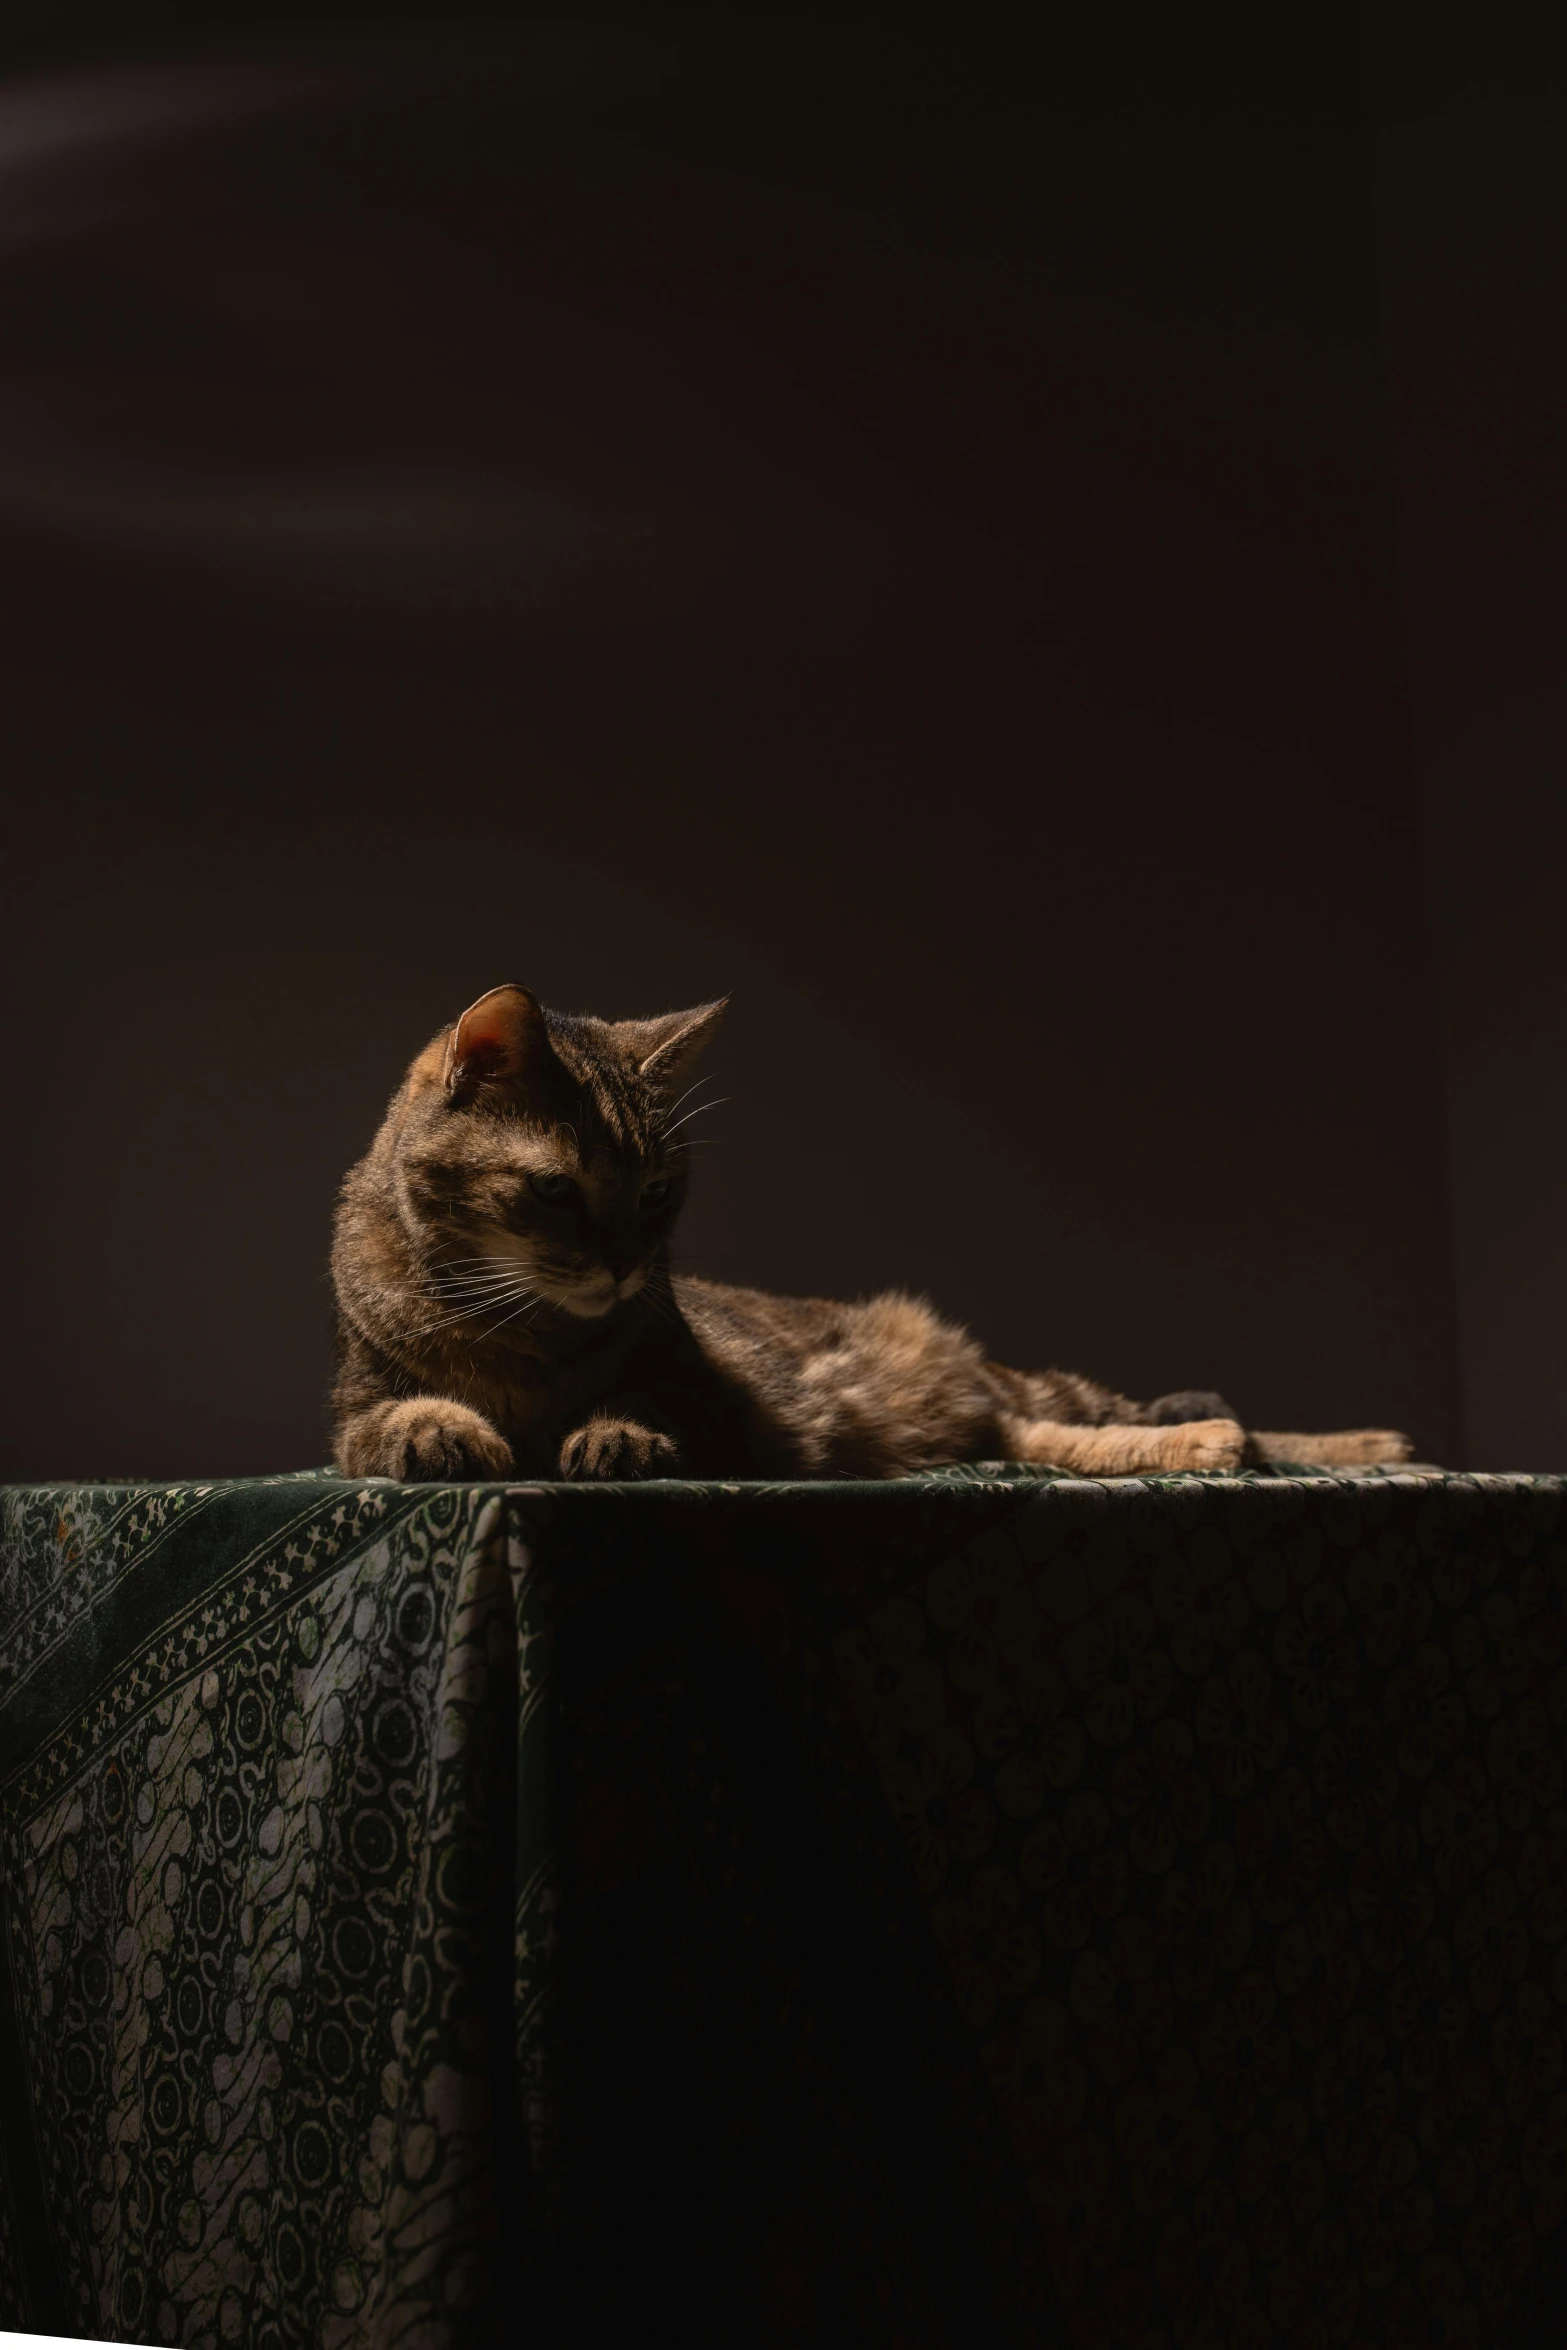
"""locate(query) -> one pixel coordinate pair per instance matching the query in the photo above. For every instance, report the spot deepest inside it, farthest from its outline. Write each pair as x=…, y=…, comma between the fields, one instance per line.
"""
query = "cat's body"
x=506, y=1304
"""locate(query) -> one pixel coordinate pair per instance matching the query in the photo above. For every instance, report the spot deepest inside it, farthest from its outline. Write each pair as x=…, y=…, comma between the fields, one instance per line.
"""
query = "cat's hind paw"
x=1375, y=1448
x=1202, y=1447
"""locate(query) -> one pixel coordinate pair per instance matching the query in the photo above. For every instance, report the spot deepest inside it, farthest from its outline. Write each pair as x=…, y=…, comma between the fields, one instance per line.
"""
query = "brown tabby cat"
x=506, y=1304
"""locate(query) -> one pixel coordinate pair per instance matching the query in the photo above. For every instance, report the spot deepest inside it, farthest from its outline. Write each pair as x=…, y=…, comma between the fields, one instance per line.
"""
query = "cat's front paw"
x=426, y=1440
x=618, y=1448
x=1202, y=1447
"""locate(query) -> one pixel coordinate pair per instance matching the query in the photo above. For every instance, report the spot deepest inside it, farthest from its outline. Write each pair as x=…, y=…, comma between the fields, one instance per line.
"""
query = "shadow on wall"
x=651, y=512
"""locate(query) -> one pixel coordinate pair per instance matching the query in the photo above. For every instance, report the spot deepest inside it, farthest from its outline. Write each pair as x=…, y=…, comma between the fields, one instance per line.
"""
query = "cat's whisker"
x=474, y=1297
x=476, y=1268
x=723, y=1098
x=534, y=1302
x=433, y=1329
x=661, y=1308
x=485, y=1264
x=467, y=1313
x=473, y=1285
x=473, y=1308
x=685, y=1097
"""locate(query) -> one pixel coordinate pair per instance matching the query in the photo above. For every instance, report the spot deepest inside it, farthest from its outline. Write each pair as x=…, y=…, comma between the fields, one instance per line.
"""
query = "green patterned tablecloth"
x=983, y=1909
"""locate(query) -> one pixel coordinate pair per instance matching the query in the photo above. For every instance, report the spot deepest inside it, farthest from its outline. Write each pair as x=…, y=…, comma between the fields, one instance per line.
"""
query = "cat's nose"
x=620, y=1266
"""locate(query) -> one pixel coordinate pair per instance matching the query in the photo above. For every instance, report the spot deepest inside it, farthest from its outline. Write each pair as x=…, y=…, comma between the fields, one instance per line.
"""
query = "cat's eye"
x=556, y=1191
x=656, y=1193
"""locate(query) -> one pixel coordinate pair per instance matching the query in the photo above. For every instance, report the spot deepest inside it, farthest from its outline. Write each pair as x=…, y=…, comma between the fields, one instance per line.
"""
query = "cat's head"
x=546, y=1151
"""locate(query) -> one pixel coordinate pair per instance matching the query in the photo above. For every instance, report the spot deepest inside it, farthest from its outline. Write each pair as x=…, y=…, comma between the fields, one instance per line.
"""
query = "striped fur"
x=507, y=1306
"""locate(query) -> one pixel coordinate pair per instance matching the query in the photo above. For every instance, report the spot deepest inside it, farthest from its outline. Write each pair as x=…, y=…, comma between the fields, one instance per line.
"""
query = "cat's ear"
x=500, y=1040
x=666, y=1048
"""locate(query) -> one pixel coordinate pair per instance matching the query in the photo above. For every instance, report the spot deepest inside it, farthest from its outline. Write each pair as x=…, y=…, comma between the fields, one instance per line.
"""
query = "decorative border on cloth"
x=65, y=1548
x=283, y=1560
x=254, y=1920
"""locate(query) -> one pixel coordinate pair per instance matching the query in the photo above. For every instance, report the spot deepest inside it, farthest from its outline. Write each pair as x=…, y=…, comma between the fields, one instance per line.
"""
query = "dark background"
x=1030, y=551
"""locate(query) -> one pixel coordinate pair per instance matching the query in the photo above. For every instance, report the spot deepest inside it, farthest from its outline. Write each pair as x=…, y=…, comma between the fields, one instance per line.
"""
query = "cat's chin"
x=591, y=1305
x=584, y=1305
x=589, y=1302
x=581, y=1310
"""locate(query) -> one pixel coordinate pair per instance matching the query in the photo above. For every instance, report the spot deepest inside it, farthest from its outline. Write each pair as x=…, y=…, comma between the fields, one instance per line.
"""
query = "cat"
x=507, y=1308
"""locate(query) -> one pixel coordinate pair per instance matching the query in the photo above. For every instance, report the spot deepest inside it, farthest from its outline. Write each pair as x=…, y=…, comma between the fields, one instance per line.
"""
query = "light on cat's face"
x=547, y=1157
x=581, y=1240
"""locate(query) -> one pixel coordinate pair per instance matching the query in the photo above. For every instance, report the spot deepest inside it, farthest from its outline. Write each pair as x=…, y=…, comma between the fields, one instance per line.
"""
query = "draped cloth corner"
x=986, y=1907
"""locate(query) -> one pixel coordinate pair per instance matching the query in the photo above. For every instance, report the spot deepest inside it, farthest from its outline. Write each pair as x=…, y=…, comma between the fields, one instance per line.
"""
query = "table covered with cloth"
x=987, y=1908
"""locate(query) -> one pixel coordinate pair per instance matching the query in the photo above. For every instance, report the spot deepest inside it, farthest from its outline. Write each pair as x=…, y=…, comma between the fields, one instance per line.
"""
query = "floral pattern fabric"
x=985, y=1908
